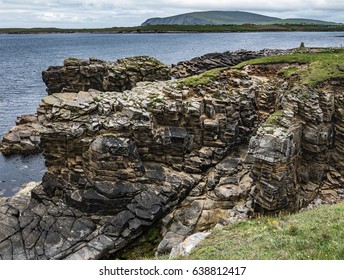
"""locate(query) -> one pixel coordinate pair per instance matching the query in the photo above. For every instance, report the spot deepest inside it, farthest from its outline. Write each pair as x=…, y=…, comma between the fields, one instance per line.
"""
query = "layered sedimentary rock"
x=118, y=162
x=297, y=149
x=81, y=75
x=209, y=61
x=188, y=156
x=292, y=158
x=24, y=138
x=76, y=74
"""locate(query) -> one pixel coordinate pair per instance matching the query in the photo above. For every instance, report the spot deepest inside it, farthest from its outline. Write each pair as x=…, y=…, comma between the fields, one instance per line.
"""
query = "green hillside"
x=316, y=234
x=227, y=17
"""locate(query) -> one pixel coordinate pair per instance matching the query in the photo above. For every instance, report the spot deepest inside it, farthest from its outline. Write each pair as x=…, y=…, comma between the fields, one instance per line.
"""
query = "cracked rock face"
x=297, y=150
x=76, y=74
x=188, y=157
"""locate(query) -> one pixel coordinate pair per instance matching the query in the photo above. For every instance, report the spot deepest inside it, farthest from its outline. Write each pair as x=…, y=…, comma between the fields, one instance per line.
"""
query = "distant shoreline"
x=179, y=29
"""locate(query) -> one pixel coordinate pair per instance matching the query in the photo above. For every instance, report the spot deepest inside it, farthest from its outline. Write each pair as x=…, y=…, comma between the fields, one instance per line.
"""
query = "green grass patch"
x=315, y=234
x=320, y=66
x=289, y=71
x=274, y=119
x=202, y=79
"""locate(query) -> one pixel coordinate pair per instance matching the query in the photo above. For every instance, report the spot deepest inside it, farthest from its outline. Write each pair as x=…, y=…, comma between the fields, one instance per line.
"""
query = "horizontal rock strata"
x=81, y=75
x=24, y=138
x=76, y=74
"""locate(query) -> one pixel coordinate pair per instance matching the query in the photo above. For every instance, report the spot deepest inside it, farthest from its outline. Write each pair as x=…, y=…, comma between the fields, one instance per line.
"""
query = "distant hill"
x=227, y=17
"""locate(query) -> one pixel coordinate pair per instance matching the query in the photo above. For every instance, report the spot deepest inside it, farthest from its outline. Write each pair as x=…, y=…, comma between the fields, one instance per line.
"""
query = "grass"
x=320, y=66
x=289, y=71
x=201, y=79
x=316, y=234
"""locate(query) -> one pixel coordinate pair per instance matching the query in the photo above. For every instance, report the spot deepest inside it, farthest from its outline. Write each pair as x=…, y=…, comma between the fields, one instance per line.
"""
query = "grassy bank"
x=181, y=28
x=321, y=66
x=313, y=234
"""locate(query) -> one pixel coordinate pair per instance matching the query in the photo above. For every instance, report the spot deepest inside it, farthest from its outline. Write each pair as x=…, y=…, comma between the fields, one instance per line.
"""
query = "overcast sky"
x=109, y=13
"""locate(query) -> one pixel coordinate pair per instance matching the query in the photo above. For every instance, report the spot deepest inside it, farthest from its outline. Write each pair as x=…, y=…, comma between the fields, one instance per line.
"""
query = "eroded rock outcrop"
x=189, y=156
x=119, y=162
x=209, y=61
x=296, y=150
x=81, y=75
x=24, y=138
x=293, y=158
x=76, y=74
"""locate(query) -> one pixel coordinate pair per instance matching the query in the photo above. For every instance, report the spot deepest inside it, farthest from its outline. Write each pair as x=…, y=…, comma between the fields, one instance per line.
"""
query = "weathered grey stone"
x=170, y=240
x=24, y=138
x=184, y=249
x=76, y=74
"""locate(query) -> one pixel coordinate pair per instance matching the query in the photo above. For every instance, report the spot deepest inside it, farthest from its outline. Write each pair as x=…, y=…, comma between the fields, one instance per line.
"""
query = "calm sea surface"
x=24, y=57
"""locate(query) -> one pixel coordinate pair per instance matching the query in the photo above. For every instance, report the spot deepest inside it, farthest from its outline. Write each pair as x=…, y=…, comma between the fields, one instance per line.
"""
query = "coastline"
x=179, y=29
x=31, y=87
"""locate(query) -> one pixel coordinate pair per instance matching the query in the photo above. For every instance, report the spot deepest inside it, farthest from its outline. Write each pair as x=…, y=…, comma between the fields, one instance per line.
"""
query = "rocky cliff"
x=81, y=75
x=187, y=153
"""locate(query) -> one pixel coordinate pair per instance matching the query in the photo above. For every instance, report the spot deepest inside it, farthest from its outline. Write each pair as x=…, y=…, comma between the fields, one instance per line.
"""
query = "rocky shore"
x=127, y=148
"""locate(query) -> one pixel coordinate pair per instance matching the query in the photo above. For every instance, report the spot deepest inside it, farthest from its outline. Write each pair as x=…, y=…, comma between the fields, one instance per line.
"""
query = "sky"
x=110, y=13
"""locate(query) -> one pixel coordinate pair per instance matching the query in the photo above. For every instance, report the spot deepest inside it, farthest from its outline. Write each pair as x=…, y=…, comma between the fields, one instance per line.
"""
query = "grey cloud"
x=107, y=13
